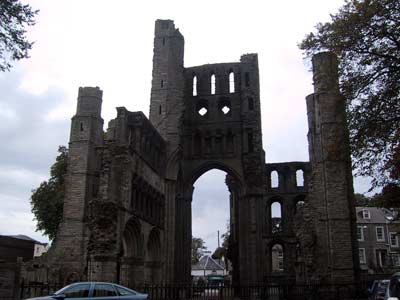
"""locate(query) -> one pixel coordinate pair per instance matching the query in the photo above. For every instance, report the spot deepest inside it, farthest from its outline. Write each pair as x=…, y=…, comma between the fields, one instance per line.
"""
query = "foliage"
x=365, y=35
x=219, y=253
x=224, y=250
x=389, y=197
x=48, y=199
x=198, y=245
x=361, y=200
x=14, y=16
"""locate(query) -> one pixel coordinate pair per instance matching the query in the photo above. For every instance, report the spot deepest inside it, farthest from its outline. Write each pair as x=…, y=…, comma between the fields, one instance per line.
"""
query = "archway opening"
x=277, y=258
x=130, y=269
x=212, y=227
x=276, y=217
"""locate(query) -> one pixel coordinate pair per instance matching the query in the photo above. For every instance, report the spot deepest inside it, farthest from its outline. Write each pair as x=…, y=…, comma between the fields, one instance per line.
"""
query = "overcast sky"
x=110, y=44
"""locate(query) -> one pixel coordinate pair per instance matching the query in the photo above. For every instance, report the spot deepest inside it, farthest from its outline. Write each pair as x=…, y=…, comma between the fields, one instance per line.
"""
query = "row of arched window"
x=213, y=84
x=147, y=201
x=275, y=179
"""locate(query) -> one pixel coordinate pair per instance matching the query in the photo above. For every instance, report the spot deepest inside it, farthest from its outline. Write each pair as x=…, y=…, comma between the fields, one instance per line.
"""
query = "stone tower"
x=81, y=181
x=166, y=102
x=331, y=186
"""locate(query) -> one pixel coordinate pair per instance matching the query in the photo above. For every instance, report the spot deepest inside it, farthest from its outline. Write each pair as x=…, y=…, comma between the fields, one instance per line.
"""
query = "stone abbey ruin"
x=127, y=211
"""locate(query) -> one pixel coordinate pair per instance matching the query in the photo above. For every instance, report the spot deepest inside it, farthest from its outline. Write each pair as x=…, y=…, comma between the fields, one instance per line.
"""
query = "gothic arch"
x=153, y=252
x=195, y=173
x=132, y=243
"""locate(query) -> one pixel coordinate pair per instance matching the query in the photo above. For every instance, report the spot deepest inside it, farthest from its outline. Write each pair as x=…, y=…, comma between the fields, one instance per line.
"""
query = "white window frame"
x=396, y=238
x=366, y=214
x=396, y=259
x=383, y=234
x=361, y=228
x=363, y=259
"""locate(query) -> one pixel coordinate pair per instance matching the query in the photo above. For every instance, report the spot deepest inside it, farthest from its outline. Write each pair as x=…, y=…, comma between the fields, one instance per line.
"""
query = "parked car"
x=93, y=290
x=393, y=289
x=378, y=290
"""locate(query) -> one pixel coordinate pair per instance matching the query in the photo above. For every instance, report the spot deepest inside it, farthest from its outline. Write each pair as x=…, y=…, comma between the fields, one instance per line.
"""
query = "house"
x=207, y=266
x=378, y=240
x=39, y=248
x=13, y=246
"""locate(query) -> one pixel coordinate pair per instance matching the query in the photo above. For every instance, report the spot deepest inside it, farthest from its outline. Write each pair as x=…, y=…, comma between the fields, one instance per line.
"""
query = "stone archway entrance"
x=131, y=260
x=234, y=192
x=153, y=257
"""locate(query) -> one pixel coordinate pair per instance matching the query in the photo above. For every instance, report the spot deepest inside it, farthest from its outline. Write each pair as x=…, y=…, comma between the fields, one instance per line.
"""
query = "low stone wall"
x=9, y=280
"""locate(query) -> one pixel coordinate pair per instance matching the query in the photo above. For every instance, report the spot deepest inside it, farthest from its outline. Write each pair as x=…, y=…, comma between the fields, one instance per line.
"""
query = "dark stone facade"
x=127, y=212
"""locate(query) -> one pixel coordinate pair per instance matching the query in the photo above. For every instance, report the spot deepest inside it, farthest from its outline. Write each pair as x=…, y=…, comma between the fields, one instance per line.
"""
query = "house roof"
x=27, y=238
x=378, y=215
x=206, y=262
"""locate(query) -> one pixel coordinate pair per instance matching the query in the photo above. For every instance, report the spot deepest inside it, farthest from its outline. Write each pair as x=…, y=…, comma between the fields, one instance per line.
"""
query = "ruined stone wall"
x=10, y=279
x=126, y=219
x=287, y=196
x=127, y=212
x=222, y=129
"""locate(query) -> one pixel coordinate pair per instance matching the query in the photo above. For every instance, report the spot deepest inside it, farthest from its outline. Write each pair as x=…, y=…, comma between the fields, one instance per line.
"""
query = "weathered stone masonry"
x=127, y=212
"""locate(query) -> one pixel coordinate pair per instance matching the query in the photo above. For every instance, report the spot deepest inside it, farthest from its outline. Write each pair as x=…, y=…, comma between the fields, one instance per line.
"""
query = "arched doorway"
x=153, y=257
x=131, y=261
x=223, y=183
x=211, y=214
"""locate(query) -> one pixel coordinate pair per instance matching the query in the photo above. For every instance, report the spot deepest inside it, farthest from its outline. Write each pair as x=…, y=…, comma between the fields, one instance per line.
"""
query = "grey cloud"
x=29, y=146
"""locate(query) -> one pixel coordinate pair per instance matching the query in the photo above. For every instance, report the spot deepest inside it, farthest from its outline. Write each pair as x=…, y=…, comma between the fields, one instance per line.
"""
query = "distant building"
x=207, y=266
x=378, y=240
x=13, y=246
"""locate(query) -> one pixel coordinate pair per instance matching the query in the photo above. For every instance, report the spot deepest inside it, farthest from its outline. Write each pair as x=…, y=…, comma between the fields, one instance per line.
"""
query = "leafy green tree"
x=198, y=246
x=14, y=17
x=365, y=35
x=48, y=199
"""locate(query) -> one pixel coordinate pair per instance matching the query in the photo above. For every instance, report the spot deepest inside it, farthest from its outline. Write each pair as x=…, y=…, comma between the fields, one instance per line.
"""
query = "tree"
x=198, y=245
x=224, y=250
x=361, y=200
x=365, y=35
x=14, y=17
x=48, y=199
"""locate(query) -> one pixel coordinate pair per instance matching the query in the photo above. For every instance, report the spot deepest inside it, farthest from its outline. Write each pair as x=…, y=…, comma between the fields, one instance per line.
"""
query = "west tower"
x=166, y=103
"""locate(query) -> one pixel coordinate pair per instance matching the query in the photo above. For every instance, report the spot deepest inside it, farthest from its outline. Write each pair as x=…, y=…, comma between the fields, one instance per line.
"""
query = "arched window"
x=154, y=246
x=300, y=178
x=231, y=82
x=274, y=179
x=276, y=217
x=299, y=202
x=212, y=84
x=131, y=241
x=195, y=85
x=277, y=258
